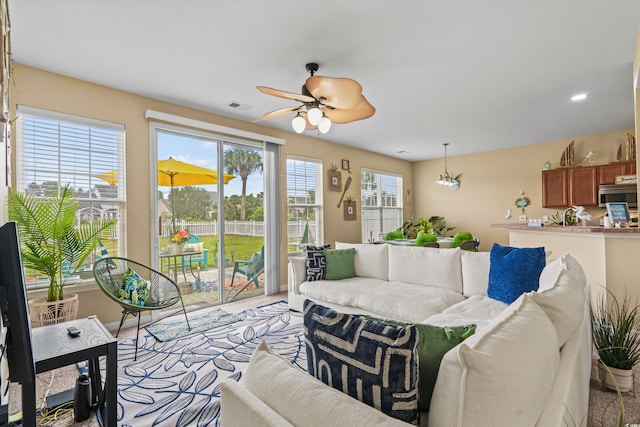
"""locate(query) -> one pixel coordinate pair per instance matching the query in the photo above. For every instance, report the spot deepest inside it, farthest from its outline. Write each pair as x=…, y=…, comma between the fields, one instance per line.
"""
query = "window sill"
x=73, y=288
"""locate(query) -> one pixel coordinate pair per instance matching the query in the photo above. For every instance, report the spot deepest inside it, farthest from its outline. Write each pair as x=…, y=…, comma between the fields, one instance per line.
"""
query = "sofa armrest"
x=297, y=273
x=240, y=408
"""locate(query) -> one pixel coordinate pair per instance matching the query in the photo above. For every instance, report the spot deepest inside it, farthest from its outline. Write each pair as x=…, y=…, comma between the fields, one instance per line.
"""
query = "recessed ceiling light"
x=579, y=97
x=403, y=152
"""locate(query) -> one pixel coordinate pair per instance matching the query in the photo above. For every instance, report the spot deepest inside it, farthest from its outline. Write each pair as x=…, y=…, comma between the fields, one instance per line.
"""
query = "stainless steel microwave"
x=618, y=193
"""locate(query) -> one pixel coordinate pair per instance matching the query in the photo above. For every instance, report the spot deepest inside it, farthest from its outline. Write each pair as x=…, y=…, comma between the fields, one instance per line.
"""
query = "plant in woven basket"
x=52, y=242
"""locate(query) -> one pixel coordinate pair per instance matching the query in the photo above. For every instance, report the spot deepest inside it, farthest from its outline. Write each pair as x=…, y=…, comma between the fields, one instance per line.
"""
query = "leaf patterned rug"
x=177, y=383
x=176, y=326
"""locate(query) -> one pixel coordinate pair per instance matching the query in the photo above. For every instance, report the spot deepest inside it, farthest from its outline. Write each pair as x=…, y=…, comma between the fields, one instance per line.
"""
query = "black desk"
x=53, y=348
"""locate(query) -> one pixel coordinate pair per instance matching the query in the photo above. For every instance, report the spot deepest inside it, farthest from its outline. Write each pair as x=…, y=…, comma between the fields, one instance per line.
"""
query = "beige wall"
x=37, y=88
x=491, y=182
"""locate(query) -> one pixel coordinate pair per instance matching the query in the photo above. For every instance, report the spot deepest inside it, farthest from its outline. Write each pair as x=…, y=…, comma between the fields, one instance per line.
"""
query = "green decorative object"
x=424, y=237
x=461, y=237
x=394, y=235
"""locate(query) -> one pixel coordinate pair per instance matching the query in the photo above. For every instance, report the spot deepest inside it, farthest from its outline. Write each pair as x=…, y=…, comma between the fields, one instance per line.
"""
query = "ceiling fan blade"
x=339, y=92
x=362, y=110
x=278, y=113
x=288, y=95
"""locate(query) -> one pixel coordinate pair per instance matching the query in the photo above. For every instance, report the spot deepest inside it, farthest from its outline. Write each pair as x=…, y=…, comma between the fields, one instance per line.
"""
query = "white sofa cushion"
x=551, y=271
x=426, y=266
x=393, y=300
x=475, y=273
x=501, y=377
x=309, y=402
x=370, y=260
x=479, y=310
x=561, y=296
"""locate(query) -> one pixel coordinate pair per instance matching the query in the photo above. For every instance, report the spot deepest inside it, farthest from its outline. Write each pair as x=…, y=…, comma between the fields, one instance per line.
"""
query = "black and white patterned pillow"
x=371, y=361
x=316, y=262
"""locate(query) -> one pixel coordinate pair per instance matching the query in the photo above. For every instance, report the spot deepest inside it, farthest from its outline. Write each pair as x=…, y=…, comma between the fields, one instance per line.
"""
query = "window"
x=381, y=203
x=54, y=150
x=304, y=203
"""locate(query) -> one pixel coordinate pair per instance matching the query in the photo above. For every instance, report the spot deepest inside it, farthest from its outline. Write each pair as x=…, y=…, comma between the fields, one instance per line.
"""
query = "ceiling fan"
x=325, y=100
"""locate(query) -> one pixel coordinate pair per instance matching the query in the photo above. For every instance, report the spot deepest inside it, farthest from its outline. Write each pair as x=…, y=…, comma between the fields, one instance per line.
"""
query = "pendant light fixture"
x=446, y=179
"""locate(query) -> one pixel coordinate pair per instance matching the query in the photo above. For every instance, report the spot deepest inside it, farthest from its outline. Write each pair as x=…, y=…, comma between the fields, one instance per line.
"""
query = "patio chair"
x=136, y=287
x=251, y=268
x=431, y=245
x=470, y=245
x=197, y=245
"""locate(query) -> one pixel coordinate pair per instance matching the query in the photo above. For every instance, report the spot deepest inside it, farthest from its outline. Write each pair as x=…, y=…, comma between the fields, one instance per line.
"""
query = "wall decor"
x=631, y=147
x=350, y=211
x=346, y=187
x=567, y=158
x=345, y=165
x=523, y=201
x=335, y=178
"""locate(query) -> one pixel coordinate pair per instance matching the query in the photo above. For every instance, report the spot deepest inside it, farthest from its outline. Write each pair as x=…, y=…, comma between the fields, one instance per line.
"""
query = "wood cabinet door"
x=583, y=186
x=607, y=173
x=631, y=167
x=555, y=191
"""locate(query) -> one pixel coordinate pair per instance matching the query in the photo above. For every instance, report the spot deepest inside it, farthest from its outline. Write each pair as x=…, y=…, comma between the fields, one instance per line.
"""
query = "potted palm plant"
x=616, y=336
x=54, y=245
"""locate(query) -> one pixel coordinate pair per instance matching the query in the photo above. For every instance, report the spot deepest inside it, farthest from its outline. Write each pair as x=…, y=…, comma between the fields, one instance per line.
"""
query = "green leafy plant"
x=615, y=331
x=52, y=241
x=433, y=225
x=569, y=216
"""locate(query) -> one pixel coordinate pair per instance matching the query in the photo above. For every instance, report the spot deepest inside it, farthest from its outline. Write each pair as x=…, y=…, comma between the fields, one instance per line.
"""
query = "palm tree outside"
x=242, y=162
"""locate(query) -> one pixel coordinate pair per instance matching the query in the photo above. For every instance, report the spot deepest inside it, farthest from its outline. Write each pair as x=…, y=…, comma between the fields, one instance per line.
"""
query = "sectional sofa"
x=528, y=363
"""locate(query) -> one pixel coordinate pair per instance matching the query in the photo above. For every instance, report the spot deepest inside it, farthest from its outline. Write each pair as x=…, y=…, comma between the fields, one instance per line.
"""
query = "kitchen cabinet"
x=555, y=190
x=570, y=186
x=607, y=173
x=583, y=186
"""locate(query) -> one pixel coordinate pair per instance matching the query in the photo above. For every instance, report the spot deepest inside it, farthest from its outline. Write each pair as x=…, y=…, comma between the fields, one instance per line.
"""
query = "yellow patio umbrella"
x=111, y=177
x=172, y=172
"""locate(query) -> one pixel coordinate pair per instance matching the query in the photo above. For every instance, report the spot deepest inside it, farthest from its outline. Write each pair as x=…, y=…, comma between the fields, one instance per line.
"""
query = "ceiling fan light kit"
x=325, y=100
x=298, y=123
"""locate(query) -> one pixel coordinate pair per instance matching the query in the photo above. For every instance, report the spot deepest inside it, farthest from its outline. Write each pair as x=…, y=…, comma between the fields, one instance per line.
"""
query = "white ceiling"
x=481, y=75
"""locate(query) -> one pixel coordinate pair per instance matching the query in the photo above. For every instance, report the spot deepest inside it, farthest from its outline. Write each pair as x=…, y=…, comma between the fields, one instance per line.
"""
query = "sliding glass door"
x=210, y=230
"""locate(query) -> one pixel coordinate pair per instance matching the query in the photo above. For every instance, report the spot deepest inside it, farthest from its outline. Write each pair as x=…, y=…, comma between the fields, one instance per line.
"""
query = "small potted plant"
x=615, y=325
x=178, y=240
x=54, y=245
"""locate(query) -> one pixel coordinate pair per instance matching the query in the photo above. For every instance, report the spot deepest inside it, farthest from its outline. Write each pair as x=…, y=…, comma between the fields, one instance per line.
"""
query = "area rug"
x=176, y=326
x=177, y=383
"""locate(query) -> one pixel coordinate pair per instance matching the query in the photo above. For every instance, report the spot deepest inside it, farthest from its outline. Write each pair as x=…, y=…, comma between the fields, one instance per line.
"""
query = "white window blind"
x=304, y=203
x=56, y=150
x=381, y=203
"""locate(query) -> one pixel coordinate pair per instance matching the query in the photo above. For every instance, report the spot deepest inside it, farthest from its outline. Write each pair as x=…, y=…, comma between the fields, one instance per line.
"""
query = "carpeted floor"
x=603, y=405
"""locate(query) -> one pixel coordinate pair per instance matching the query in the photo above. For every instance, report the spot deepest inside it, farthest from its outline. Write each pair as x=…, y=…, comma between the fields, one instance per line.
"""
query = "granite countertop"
x=568, y=229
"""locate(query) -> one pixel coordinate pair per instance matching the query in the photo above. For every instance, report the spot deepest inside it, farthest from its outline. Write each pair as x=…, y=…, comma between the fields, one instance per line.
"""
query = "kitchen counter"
x=610, y=257
x=569, y=228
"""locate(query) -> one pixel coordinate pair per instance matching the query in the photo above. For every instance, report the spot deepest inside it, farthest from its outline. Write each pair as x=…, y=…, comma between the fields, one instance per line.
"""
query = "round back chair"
x=136, y=287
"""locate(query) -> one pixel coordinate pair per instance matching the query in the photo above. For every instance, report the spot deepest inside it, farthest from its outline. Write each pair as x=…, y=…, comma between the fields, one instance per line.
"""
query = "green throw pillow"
x=394, y=235
x=423, y=238
x=461, y=237
x=434, y=342
x=340, y=263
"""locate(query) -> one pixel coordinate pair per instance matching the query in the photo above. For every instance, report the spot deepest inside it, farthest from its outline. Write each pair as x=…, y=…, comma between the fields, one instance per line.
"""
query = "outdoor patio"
x=208, y=291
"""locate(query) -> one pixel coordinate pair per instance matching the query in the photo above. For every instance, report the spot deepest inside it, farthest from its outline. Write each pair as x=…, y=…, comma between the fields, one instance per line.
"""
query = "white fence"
x=295, y=229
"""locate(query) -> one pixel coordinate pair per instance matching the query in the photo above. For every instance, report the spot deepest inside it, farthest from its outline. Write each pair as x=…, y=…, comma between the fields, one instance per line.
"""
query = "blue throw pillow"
x=371, y=361
x=316, y=262
x=514, y=271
